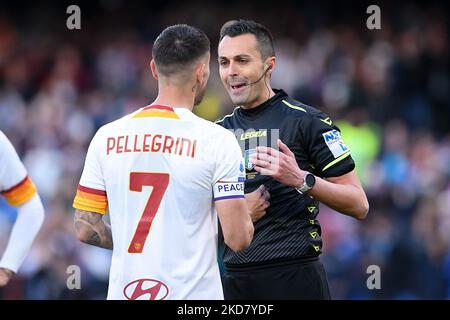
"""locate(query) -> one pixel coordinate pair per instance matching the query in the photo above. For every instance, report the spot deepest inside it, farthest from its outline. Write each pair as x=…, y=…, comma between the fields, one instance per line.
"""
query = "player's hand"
x=280, y=165
x=5, y=276
x=258, y=202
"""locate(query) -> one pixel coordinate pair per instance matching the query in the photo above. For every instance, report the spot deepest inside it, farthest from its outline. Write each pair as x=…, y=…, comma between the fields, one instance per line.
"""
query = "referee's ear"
x=270, y=62
x=153, y=69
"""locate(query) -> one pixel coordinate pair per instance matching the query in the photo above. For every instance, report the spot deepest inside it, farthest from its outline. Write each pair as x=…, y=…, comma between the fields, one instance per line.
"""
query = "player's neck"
x=175, y=97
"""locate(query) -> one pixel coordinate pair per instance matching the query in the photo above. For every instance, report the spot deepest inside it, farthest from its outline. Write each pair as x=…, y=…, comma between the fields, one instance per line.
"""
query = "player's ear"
x=200, y=72
x=153, y=68
x=202, y=69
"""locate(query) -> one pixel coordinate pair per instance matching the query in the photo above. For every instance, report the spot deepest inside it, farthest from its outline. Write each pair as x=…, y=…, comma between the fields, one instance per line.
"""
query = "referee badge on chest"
x=249, y=166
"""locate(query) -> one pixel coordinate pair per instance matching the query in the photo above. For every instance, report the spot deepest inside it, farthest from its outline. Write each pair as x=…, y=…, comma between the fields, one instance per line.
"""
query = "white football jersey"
x=15, y=185
x=158, y=172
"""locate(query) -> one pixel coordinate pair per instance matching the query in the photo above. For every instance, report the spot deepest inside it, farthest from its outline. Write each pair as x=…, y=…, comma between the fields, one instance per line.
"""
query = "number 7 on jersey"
x=159, y=182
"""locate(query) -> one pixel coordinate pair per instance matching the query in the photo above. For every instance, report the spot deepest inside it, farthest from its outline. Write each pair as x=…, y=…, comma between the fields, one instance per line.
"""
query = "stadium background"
x=388, y=89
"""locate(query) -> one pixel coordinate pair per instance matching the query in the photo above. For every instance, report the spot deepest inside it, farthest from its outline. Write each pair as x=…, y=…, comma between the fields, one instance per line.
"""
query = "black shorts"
x=290, y=280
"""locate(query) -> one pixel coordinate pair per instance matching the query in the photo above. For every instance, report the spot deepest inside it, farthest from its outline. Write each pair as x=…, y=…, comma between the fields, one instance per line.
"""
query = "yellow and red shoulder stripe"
x=89, y=199
x=157, y=111
x=20, y=193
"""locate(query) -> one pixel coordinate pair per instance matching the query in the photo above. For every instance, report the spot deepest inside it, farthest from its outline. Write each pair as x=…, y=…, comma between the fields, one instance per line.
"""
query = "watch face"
x=310, y=179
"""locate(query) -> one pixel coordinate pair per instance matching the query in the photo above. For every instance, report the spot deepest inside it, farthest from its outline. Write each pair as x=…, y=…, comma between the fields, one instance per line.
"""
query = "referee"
x=297, y=153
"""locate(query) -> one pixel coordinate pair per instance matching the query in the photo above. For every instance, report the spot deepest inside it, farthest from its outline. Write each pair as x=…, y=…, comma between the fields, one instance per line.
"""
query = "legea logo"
x=146, y=289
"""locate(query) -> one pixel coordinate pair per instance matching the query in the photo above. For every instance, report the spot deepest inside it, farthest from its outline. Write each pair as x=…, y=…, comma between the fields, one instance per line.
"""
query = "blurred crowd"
x=388, y=90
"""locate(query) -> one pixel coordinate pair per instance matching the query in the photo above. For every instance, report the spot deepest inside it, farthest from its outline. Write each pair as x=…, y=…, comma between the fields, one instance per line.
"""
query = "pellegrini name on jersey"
x=180, y=146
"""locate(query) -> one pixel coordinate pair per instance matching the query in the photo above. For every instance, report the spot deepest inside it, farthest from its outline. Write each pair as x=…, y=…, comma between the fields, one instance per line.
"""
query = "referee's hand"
x=257, y=203
x=280, y=165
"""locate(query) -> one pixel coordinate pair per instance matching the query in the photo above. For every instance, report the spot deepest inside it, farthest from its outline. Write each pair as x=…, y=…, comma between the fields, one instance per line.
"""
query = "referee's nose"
x=232, y=70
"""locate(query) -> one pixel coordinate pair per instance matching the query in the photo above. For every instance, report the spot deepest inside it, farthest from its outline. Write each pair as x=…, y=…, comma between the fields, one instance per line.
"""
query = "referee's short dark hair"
x=177, y=47
x=235, y=28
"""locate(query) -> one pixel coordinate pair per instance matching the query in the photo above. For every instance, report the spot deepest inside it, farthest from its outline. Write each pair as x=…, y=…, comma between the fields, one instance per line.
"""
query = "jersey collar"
x=279, y=94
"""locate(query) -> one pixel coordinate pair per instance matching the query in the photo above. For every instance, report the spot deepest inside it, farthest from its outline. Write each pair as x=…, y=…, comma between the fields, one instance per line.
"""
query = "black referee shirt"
x=289, y=230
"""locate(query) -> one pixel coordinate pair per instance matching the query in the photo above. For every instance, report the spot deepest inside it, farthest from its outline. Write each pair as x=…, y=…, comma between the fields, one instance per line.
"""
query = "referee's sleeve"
x=327, y=150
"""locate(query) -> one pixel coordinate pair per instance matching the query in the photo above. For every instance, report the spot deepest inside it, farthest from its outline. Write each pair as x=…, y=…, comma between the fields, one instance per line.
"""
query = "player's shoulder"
x=5, y=145
x=3, y=138
x=115, y=125
x=215, y=130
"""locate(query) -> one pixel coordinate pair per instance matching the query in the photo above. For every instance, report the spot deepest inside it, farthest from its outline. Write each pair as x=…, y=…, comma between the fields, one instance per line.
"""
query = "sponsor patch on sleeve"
x=335, y=143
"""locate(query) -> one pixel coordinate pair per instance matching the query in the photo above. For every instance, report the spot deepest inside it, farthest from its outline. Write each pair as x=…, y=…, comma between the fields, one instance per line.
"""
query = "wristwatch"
x=308, y=182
